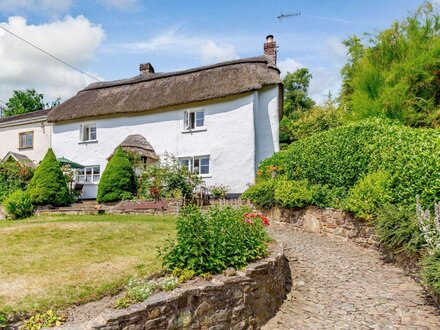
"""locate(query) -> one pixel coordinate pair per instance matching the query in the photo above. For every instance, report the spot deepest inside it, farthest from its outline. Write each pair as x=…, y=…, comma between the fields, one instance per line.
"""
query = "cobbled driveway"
x=339, y=285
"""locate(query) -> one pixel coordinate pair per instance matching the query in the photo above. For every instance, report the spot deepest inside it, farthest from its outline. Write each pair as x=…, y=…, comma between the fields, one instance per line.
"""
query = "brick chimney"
x=146, y=68
x=270, y=48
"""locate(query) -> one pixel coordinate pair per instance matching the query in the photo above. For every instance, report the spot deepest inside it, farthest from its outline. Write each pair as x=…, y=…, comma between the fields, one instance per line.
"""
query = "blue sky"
x=110, y=38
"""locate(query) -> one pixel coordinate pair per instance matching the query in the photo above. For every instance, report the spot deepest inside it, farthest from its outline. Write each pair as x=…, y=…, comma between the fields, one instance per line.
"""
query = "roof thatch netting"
x=138, y=144
x=161, y=90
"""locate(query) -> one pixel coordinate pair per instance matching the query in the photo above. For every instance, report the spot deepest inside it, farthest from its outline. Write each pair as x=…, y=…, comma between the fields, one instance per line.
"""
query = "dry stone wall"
x=328, y=221
x=246, y=300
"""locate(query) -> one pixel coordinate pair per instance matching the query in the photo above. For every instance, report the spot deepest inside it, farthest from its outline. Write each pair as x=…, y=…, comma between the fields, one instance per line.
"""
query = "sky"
x=108, y=39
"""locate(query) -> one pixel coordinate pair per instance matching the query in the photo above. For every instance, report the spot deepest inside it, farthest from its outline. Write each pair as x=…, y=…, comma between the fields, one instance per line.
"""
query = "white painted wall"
x=229, y=140
x=267, y=123
x=9, y=139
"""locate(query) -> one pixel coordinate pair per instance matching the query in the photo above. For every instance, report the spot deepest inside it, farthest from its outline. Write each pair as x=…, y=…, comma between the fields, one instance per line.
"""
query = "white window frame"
x=191, y=167
x=86, y=139
x=190, y=124
x=92, y=175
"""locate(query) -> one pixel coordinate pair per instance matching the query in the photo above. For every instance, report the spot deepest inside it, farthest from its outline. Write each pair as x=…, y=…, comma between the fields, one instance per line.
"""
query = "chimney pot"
x=270, y=48
x=146, y=68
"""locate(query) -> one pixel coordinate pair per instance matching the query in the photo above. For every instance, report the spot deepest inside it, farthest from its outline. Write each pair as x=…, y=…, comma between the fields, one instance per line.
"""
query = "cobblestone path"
x=340, y=285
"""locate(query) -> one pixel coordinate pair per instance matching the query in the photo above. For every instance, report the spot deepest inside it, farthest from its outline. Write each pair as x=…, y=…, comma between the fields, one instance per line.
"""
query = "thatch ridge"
x=164, y=90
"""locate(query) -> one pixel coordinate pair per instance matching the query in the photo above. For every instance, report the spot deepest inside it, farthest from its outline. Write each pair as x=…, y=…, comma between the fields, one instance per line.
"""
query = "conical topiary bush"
x=48, y=185
x=118, y=180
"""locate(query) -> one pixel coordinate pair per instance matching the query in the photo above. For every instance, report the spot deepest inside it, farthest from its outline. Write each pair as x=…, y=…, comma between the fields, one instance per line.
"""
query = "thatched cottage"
x=219, y=120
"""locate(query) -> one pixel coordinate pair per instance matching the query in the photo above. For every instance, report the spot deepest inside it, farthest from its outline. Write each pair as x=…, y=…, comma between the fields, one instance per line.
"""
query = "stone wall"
x=246, y=300
x=328, y=221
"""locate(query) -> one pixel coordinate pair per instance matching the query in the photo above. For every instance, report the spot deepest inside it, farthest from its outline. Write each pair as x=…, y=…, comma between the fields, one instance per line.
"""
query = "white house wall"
x=266, y=123
x=9, y=140
x=229, y=139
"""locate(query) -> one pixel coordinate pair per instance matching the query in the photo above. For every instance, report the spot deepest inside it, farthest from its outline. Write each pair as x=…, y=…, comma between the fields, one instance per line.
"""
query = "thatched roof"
x=138, y=144
x=154, y=91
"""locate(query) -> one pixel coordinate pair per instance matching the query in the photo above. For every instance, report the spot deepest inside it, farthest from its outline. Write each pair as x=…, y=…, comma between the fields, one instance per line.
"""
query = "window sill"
x=205, y=176
x=26, y=148
x=88, y=142
x=194, y=130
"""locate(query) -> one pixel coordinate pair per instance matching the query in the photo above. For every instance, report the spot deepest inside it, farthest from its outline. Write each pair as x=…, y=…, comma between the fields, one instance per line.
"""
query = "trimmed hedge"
x=118, y=180
x=340, y=160
x=48, y=185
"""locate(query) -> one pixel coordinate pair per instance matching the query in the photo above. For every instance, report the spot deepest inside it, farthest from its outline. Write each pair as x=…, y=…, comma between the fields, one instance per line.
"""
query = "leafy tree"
x=118, y=180
x=296, y=100
x=48, y=185
x=396, y=73
x=26, y=101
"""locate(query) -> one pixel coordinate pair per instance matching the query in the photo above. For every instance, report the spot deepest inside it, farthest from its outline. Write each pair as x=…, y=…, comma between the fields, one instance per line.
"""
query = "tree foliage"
x=296, y=100
x=118, y=180
x=48, y=185
x=396, y=73
x=26, y=101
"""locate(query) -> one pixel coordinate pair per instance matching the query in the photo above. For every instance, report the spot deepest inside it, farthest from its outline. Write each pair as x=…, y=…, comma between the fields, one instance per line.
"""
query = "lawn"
x=55, y=261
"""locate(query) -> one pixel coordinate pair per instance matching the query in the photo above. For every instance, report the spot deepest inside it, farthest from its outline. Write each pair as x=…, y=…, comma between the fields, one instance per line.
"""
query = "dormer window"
x=194, y=119
x=88, y=133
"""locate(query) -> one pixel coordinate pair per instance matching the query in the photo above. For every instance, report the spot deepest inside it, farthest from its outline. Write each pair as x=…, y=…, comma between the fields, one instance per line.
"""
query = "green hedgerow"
x=431, y=271
x=369, y=195
x=342, y=157
x=18, y=205
x=48, y=185
x=118, y=180
x=293, y=193
x=261, y=194
x=212, y=241
x=398, y=229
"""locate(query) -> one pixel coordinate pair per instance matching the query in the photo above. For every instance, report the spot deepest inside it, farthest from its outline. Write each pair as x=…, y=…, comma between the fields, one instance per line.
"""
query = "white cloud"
x=288, y=65
x=211, y=52
x=176, y=40
x=25, y=67
x=337, y=48
x=124, y=5
x=324, y=80
x=53, y=7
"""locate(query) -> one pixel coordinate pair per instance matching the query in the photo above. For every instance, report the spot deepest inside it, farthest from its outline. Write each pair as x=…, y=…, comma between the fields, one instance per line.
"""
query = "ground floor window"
x=196, y=164
x=88, y=174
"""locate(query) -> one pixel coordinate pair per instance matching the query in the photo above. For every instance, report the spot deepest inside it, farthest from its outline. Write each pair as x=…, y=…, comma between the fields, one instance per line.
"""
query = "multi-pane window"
x=198, y=165
x=194, y=119
x=89, y=174
x=26, y=140
x=88, y=132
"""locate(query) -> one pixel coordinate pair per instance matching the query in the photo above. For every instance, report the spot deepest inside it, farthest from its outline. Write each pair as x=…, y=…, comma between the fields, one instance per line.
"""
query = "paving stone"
x=345, y=286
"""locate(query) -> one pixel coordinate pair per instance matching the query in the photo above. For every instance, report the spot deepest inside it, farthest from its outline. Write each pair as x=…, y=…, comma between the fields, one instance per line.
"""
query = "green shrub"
x=219, y=191
x=293, y=194
x=118, y=180
x=431, y=271
x=261, y=194
x=19, y=205
x=48, y=185
x=369, y=195
x=13, y=176
x=326, y=196
x=213, y=241
x=398, y=229
x=343, y=156
x=43, y=320
x=170, y=179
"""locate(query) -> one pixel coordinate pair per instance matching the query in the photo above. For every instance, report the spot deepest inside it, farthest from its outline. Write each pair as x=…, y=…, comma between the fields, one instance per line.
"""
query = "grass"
x=56, y=261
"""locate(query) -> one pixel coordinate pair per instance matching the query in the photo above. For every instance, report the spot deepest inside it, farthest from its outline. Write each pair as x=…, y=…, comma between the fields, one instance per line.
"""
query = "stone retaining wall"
x=244, y=301
x=328, y=221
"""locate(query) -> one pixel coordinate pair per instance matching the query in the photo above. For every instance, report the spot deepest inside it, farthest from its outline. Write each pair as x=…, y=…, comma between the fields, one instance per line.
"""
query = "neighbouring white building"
x=26, y=137
x=220, y=120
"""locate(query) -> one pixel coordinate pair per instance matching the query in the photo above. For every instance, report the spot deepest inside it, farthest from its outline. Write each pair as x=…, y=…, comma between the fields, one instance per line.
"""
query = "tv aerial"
x=284, y=16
